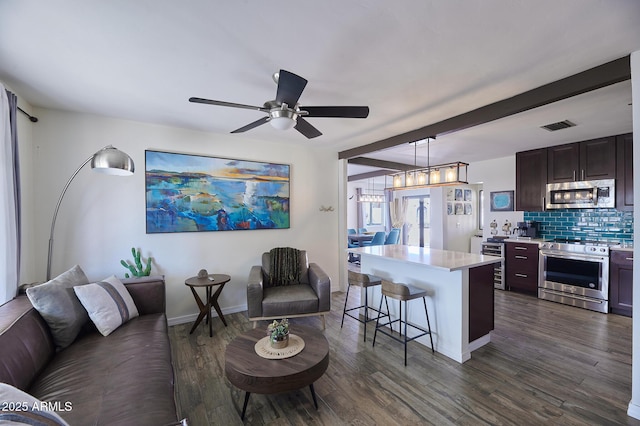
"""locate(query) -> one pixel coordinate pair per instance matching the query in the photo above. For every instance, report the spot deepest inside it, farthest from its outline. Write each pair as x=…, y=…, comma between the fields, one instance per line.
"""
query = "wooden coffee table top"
x=248, y=371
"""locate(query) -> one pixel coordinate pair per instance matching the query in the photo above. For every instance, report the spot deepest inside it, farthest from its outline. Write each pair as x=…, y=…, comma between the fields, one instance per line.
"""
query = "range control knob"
x=551, y=245
x=602, y=249
x=592, y=249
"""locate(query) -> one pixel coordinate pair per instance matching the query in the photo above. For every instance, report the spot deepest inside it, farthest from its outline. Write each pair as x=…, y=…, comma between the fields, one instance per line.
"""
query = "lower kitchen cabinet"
x=521, y=267
x=621, y=282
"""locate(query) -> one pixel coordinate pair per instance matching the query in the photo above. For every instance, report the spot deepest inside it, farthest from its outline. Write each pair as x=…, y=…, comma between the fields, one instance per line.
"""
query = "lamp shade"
x=282, y=123
x=112, y=161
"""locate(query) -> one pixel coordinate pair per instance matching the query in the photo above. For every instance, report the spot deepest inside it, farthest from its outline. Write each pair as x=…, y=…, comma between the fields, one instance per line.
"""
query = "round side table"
x=211, y=299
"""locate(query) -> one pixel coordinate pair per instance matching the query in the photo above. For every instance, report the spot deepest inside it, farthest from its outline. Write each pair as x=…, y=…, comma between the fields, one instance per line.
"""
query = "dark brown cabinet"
x=481, y=307
x=621, y=282
x=624, y=172
x=531, y=180
x=521, y=267
x=588, y=160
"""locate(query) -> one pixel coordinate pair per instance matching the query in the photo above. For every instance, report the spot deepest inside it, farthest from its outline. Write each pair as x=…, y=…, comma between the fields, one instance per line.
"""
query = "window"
x=374, y=214
x=480, y=211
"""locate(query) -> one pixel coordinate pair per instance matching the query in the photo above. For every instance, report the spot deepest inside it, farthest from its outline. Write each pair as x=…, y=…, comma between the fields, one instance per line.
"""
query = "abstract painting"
x=501, y=201
x=191, y=193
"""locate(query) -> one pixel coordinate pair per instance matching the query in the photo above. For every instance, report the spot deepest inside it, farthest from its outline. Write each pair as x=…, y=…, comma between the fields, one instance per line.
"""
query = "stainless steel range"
x=575, y=273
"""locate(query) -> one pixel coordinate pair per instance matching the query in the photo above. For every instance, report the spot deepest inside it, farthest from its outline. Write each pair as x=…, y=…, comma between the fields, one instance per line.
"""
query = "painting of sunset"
x=190, y=193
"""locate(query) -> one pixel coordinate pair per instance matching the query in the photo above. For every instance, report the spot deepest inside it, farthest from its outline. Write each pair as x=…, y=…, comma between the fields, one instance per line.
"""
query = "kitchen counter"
x=460, y=292
x=433, y=258
x=622, y=247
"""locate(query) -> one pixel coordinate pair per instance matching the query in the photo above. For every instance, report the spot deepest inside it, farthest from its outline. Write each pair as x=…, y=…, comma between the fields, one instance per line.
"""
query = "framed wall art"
x=191, y=193
x=501, y=201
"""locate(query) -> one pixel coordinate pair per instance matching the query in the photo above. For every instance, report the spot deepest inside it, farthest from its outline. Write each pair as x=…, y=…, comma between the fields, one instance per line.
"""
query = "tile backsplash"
x=586, y=224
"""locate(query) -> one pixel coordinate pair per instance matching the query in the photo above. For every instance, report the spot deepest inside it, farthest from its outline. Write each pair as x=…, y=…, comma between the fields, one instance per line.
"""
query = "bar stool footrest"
x=364, y=321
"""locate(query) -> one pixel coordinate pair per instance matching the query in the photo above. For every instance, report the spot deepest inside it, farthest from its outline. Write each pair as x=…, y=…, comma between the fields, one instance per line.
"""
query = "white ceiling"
x=413, y=62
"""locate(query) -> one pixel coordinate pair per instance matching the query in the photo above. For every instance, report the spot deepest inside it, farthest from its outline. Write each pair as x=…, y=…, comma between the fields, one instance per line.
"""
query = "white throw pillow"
x=60, y=308
x=20, y=408
x=108, y=304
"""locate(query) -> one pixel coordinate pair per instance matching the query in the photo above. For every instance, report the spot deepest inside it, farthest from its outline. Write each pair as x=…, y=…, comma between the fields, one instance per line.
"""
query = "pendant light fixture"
x=430, y=176
x=371, y=196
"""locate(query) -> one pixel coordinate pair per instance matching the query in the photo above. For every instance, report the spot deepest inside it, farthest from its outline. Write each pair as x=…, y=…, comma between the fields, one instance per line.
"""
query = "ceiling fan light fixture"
x=282, y=118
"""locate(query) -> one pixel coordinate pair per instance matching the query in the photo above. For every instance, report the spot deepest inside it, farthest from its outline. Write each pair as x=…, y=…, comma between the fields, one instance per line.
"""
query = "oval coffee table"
x=251, y=373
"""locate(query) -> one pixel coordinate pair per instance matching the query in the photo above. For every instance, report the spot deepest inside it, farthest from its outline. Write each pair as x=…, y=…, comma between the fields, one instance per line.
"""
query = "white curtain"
x=8, y=218
x=398, y=210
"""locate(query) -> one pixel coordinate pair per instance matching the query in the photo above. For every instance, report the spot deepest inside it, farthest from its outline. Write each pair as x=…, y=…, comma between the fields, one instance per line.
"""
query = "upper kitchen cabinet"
x=531, y=179
x=624, y=178
x=589, y=160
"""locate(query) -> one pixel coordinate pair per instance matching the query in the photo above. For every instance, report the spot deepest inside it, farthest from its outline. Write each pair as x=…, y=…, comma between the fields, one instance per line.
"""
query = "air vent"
x=558, y=126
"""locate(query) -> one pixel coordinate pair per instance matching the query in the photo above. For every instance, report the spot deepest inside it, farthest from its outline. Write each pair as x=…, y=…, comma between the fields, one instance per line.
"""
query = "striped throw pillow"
x=108, y=304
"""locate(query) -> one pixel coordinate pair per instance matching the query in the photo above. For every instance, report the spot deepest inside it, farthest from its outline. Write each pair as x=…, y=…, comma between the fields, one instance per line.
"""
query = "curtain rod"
x=31, y=117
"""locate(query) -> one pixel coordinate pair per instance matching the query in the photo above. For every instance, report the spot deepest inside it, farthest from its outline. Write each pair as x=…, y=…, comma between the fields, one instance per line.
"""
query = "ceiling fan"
x=285, y=112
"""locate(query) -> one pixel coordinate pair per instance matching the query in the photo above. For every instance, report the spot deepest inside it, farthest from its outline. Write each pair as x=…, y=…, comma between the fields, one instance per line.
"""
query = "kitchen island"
x=460, y=288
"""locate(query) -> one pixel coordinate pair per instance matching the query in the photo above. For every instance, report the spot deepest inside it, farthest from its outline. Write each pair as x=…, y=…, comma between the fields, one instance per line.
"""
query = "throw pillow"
x=108, y=304
x=59, y=306
x=19, y=407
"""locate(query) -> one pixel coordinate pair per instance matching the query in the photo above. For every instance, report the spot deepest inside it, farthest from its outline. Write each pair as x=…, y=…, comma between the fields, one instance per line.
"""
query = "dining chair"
x=378, y=240
x=362, y=230
x=393, y=237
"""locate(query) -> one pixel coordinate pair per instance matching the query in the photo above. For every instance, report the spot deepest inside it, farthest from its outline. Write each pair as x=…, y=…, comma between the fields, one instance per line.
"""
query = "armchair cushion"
x=293, y=299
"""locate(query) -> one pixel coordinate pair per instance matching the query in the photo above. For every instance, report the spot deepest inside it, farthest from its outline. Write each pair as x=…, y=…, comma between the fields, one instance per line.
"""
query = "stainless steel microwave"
x=584, y=194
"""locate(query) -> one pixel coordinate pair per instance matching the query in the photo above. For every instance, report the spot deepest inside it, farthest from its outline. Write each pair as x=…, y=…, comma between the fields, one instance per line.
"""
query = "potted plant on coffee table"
x=278, y=332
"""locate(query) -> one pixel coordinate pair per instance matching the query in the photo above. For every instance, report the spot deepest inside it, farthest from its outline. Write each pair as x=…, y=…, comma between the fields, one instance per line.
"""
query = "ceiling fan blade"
x=252, y=125
x=337, y=111
x=290, y=87
x=304, y=127
x=226, y=104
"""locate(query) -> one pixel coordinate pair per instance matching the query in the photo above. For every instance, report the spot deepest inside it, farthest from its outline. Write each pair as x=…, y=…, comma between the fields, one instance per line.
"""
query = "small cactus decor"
x=137, y=269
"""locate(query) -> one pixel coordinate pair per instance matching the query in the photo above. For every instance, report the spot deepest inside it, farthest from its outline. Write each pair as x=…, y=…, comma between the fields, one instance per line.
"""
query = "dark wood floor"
x=546, y=364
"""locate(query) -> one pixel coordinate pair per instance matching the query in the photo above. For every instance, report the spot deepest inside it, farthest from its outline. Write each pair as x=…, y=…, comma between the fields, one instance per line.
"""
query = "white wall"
x=496, y=175
x=634, y=404
x=102, y=217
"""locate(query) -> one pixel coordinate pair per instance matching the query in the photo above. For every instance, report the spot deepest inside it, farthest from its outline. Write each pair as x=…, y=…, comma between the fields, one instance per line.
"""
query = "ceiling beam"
x=595, y=78
x=364, y=161
x=369, y=175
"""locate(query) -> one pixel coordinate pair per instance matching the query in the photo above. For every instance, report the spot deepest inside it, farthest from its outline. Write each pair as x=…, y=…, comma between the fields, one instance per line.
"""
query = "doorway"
x=418, y=221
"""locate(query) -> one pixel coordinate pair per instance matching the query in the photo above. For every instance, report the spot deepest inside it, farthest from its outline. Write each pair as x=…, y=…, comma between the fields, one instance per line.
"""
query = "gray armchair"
x=309, y=294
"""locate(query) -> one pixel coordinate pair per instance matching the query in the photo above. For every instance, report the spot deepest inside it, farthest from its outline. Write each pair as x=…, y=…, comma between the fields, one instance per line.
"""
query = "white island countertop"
x=439, y=259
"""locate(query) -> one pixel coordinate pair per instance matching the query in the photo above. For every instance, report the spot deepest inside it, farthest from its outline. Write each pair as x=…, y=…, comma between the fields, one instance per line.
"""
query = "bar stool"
x=403, y=293
x=365, y=281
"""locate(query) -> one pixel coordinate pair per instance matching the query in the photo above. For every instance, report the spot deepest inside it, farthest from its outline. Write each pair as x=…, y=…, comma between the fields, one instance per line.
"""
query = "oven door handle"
x=571, y=295
x=560, y=255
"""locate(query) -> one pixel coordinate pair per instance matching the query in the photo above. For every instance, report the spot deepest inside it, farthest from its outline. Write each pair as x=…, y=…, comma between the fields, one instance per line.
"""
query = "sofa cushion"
x=289, y=300
x=20, y=408
x=59, y=306
x=108, y=304
x=125, y=378
x=26, y=344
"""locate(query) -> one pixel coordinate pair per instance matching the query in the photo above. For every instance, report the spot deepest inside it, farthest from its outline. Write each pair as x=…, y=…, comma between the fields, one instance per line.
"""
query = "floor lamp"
x=108, y=160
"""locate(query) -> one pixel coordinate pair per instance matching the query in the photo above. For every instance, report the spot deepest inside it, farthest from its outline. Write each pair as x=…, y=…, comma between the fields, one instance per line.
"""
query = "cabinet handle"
x=521, y=257
x=520, y=248
x=629, y=258
x=574, y=175
x=521, y=275
x=582, y=178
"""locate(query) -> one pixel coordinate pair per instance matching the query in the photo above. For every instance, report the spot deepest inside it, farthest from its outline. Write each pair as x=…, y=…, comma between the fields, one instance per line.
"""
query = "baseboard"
x=192, y=317
x=633, y=410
